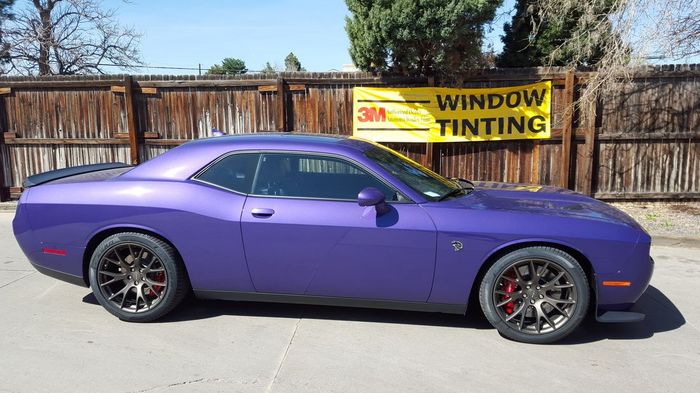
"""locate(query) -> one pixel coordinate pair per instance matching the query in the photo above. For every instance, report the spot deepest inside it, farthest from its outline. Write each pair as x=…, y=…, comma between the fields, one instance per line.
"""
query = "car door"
x=305, y=234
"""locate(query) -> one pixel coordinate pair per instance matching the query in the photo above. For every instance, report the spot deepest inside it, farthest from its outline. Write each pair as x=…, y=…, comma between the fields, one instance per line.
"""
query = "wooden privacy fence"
x=643, y=142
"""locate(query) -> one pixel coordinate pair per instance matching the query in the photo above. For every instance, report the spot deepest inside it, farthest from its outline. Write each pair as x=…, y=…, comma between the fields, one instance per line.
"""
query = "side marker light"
x=54, y=251
x=617, y=283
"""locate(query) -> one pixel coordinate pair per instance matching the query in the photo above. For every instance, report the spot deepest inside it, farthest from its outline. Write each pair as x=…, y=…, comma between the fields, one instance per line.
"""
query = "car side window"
x=311, y=176
x=234, y=172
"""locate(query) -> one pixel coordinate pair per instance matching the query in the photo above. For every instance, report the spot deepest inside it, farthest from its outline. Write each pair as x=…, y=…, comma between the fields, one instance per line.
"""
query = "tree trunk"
x=45, y=37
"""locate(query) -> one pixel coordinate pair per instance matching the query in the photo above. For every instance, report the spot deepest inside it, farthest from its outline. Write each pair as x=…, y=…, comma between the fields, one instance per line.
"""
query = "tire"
x=535, y=295
x=125, y=270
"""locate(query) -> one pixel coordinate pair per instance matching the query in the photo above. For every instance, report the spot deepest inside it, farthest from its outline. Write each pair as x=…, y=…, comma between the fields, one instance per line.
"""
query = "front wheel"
x=535, y=295
x=137, y=277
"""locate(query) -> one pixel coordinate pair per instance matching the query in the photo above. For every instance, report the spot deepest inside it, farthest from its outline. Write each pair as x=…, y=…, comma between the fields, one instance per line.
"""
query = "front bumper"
x=613, y=302
x=620, y=317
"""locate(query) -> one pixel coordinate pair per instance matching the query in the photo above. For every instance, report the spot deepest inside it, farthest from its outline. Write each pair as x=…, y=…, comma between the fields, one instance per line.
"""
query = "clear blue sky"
x=186, y=33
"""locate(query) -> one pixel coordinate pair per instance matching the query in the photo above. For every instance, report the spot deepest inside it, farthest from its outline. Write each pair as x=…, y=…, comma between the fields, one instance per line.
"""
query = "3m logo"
x=373, y=114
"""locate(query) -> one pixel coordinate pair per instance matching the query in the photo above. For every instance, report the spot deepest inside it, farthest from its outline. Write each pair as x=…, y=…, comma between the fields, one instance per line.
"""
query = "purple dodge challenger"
x=333, y=221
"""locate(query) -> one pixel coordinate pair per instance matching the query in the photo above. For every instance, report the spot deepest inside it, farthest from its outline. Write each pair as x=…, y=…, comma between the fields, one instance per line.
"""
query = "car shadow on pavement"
x=200, y=309
x=194, y=309
x=661, y=316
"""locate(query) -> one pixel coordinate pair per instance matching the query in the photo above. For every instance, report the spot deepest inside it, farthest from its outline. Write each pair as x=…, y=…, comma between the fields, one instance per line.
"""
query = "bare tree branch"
x=641, y=30
x=64, y=37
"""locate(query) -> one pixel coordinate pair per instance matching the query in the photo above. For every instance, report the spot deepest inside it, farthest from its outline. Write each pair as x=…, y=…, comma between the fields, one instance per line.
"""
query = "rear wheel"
x=535, y=295
x=137, y=277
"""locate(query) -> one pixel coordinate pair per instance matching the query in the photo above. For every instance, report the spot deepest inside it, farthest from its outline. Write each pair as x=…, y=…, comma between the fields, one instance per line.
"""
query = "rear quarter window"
x=234, y=172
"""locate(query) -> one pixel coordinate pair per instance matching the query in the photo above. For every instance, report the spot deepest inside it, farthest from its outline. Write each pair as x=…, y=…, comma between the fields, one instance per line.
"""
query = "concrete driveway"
x=54, y=337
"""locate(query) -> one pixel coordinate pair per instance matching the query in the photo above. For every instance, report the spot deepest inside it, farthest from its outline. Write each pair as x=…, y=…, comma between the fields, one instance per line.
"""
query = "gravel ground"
x=8, y=205
x=676, y=219
x=672, y=219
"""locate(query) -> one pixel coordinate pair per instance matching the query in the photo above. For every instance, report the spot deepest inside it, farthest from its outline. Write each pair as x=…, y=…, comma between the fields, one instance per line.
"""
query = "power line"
x=162, y=67
x=149, y=66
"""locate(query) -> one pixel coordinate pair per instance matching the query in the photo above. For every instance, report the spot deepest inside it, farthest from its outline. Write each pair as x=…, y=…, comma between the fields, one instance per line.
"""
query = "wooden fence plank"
x=207, y=83
x=145, y=135
x=65, y=141
x=616, y=196
x=59, y=84
x=290, y=87
x=263, y=88
x=535, y=172
x=140, y=90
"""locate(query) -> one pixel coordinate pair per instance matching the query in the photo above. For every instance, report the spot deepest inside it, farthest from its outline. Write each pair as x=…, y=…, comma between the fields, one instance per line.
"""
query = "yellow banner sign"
x=435, y=114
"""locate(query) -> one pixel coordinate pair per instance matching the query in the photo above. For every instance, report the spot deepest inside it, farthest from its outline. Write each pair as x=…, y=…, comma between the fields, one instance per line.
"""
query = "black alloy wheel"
x=535, y=294
x=137, y=277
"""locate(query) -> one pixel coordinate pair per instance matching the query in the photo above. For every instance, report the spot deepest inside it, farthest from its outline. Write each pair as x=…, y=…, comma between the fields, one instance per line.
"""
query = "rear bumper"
x=65, y=267
x=69, y=278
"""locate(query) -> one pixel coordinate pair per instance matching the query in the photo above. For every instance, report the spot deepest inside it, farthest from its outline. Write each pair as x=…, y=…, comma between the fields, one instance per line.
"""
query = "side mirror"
x=371, y=196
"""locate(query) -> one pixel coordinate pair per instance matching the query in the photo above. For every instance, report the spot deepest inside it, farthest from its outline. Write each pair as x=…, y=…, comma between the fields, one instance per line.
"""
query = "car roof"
x=183, y=161
x=270, y=136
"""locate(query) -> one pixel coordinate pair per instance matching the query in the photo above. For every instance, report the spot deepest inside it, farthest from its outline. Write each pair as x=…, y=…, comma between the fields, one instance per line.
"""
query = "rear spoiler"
x=46, y=177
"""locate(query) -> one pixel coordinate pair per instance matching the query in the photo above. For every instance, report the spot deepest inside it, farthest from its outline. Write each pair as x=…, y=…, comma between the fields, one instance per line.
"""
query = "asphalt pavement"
x=54, y=337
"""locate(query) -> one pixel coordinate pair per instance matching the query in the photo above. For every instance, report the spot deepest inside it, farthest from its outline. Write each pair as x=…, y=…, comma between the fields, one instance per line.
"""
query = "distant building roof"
x=349, y=68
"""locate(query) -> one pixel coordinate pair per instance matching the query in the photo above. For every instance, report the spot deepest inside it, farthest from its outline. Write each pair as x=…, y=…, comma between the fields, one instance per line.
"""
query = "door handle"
x=260, y=212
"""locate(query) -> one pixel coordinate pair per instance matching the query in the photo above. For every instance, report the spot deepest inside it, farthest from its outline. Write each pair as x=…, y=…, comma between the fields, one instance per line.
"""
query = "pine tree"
x=228, y=66
x=292, y=63
x=427, y=37
x=268, y=69
x=523, y=46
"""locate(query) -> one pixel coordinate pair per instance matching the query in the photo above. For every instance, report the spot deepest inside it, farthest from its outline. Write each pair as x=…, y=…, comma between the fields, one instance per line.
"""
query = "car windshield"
x=421, y=179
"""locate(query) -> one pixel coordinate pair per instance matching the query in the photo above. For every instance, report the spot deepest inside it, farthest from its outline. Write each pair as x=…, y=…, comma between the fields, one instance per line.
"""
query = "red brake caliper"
x=160, y=277
x=509, y=286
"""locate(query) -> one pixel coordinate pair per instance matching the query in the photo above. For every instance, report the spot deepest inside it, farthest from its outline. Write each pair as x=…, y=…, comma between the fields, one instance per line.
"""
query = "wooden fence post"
x=432, y=160
x=4, y=191
x=4, y=188
x=281, y=106
x=589, y=181
x=568, y=149
x=131, y=124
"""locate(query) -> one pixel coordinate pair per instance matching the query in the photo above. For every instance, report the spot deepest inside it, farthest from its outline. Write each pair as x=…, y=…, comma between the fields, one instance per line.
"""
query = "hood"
x=527, y=198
